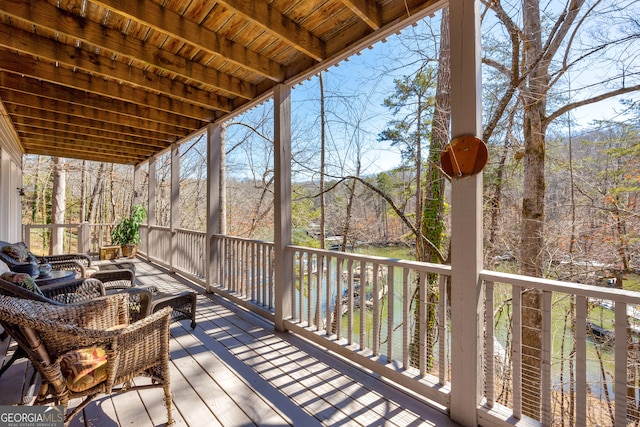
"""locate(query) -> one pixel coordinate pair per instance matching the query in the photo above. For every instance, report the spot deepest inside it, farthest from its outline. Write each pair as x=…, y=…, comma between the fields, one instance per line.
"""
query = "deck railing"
x=245, y=271
x=388, y=315
x=589, y=363
x=392, y=318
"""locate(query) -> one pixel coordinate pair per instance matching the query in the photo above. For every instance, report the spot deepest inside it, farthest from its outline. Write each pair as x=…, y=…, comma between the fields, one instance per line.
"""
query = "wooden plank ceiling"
x=122, y=80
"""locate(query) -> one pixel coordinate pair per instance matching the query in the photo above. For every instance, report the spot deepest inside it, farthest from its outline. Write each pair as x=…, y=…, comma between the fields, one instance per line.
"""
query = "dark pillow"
x=16, y=252
x=23, y=280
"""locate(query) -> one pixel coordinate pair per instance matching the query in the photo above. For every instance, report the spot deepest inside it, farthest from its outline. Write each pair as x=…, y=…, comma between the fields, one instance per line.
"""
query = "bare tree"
x=58, y=207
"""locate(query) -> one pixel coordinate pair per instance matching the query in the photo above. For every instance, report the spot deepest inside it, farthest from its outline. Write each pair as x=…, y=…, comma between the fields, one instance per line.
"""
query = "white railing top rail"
x=187, y=231
x=629, y=297
x=242, y=239
x=392, y=262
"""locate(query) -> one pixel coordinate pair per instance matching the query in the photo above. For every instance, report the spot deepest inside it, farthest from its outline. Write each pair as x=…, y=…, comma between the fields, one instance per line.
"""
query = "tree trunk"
x=98, y=189
x=83, y=192
x=532, y=228
x=432, y=222
x=58, y=206
x=495, y=201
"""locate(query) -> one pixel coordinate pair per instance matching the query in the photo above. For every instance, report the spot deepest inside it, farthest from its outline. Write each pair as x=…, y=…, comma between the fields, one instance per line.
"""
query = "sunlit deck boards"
x=232, y=370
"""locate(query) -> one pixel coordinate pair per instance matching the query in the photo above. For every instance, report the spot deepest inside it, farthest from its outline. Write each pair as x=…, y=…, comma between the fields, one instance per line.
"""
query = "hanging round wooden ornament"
x=465, y=155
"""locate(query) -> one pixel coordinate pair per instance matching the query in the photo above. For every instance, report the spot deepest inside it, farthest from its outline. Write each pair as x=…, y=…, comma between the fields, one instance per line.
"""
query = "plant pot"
x=129, y=251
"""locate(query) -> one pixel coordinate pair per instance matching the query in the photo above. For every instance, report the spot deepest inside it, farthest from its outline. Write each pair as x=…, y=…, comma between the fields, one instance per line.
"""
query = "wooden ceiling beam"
x=20, y=112
x=367, y=10
x=263, y=15
x=168, y=22
x=30, y=67
x=36, y=127
x=86, y=144
x=97, y=36
x=32, y=105
x=43, y=47
x=57, y=149
x=55, y=92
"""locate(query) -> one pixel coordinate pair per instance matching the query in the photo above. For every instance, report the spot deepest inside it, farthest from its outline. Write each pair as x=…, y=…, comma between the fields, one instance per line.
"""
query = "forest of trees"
x=592, y=193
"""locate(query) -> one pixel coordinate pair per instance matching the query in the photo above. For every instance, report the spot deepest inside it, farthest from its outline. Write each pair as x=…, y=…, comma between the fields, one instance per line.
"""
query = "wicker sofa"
x=19, y=258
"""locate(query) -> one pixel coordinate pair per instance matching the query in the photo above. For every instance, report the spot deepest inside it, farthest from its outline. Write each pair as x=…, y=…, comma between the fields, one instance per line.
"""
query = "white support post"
x=151, y=206
x=6, y=195
x=175, y=205
x=466, y=219
x=282, y=203
x=84, y=238
x=214, y=161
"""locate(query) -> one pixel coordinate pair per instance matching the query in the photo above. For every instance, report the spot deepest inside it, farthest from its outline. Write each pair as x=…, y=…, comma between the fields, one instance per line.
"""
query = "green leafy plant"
x=126, y=232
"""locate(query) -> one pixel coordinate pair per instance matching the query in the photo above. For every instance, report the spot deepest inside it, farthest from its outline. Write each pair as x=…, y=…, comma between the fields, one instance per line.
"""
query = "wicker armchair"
x=57, y=337
x=74, y=292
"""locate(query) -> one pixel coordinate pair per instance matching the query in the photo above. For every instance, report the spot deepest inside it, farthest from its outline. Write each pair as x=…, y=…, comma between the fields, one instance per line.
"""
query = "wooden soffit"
x=122, y=80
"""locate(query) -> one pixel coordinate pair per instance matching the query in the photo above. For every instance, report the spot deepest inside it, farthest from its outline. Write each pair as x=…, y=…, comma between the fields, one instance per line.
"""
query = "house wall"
x=10, y=180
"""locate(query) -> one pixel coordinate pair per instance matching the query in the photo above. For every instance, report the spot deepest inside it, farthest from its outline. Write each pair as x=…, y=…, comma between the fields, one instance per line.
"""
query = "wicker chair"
x=74, y=292
x=53, y=335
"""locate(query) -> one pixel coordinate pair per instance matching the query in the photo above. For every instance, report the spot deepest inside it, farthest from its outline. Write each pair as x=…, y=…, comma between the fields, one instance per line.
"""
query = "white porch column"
x=175, y=205
x=282, y=202
x=8, y=193
x=151, y=207
x=214, y=162
x=466, y=218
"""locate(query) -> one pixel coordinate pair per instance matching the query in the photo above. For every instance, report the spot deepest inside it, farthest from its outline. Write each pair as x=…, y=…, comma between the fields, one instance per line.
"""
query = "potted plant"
x=126, y=233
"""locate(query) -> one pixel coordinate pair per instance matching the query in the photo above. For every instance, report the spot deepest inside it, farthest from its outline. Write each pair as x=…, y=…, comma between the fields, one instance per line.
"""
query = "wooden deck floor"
x=234, y=370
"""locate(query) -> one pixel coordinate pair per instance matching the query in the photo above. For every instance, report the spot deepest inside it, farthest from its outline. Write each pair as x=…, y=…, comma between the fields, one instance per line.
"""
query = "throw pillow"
x=23, y=280
x=84, y=368
x=16, y=252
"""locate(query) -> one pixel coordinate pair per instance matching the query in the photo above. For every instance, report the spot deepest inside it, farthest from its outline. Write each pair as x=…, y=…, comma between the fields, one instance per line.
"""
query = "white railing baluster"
x=621, y=363
x=390, y=312
x=251, y=269
x=545, y=359
x=581, y=361
x=516, y=351
x=339, y=298
x=300, y=305
x=442, y=330
x=406, y=330
x=376, y=310
x=489, y=353
x=362, y=300
x=329, y=286
x=319, y=279
x=308, y=287
x=423, y=309
x=350, y=301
